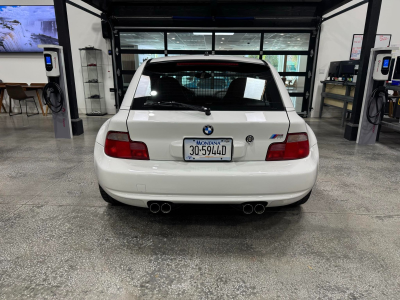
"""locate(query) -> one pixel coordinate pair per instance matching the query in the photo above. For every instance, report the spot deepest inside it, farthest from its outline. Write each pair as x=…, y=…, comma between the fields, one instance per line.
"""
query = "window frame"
x=260, y=52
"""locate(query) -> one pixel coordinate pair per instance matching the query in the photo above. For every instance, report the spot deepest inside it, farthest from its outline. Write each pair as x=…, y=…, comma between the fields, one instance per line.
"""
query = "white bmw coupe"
x=206, y=129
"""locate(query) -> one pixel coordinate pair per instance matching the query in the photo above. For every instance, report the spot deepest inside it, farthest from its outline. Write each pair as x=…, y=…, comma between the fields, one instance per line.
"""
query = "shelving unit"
x=343, y=98
x=92, y=74
x=388, y=122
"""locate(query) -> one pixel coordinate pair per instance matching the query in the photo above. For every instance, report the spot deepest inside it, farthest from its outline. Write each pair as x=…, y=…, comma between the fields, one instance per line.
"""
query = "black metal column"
x=60, y=8
x=371, y=26
x=118, y=65
x=308, y=85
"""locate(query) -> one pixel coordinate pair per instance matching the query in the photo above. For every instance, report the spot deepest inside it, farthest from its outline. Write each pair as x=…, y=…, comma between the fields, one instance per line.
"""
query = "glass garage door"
x=289, y=52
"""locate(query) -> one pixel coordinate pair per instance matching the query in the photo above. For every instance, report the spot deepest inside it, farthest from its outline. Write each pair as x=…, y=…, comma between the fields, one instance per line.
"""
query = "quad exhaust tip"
x=258, y=208
x=154, y=207
x=248, y=209
x=166, y=208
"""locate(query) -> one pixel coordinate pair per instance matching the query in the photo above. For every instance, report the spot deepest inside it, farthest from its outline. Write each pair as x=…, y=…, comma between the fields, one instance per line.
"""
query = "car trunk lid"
x=163, y=131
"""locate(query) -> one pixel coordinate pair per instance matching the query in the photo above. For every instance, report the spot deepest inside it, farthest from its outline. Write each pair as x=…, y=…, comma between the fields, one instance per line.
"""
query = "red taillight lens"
x=119, y=145
x=295, y=146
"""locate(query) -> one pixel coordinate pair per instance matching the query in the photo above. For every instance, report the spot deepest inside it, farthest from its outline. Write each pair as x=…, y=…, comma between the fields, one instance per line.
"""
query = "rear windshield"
x=218, y=85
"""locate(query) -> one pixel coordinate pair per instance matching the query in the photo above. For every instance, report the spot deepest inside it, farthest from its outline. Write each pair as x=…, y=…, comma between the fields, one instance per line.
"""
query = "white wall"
x=388, y=21
x=335, y=44
x=84, y=29
x=337, y=34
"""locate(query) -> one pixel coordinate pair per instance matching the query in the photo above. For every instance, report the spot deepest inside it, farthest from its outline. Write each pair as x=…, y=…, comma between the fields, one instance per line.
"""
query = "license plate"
x=207, y=149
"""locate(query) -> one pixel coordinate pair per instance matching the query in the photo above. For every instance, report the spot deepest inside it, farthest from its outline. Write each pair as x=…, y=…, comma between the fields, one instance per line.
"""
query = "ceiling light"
x=173, y=38
x=222, y=42
x=282, y=34
x=288, y=42
x=177, y=42
x=266, y=42
x=298, y=39
x=210, y=33
x=223, y=38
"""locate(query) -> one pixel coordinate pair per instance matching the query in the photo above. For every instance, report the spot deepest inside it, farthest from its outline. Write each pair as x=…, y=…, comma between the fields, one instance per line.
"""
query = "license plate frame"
x=207, y=160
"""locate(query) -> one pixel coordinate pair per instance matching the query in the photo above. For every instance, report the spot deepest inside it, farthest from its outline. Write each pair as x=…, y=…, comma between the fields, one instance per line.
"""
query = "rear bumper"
x=136, y=182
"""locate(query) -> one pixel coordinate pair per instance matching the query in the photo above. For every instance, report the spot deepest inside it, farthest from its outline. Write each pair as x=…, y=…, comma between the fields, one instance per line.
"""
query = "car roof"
x=209, y=57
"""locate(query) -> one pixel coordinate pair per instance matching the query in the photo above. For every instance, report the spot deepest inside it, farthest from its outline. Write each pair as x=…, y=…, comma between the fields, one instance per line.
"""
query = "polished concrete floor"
x=59, y=240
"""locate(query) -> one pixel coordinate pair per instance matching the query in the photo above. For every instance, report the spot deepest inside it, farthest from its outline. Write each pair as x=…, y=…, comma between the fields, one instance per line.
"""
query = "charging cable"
x=378, y=101
x=53, y=88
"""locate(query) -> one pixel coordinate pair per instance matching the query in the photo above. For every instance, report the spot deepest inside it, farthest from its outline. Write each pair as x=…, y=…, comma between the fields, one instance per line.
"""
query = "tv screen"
x=23, y=27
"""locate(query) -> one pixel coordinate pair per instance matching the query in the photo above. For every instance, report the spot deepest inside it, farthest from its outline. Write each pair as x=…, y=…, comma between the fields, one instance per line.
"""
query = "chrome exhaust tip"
x=259, y=209
x=154, y=207
x=166, y=208
x=247, y=209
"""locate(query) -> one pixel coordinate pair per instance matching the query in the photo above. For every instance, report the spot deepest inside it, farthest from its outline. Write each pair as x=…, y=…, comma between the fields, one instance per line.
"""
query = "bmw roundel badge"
x=249, y=139
x=208, y=129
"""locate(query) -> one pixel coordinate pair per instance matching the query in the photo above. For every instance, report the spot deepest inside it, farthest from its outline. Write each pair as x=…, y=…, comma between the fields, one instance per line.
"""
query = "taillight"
x=295, y=146
x=118, y=144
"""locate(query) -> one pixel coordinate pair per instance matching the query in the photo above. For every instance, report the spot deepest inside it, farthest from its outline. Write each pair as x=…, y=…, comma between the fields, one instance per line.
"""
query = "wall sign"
x=381, y=41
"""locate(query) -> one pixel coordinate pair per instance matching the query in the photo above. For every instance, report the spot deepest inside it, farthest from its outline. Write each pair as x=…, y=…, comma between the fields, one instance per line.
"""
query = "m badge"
x=276, y=136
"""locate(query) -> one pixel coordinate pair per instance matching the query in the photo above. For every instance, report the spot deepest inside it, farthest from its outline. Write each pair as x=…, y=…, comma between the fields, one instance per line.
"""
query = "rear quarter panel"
x=116, y=123
x=101, y=135
x=297, y=123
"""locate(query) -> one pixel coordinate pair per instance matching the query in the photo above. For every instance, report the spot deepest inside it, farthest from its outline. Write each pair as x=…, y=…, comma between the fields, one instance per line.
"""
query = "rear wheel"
x=107, y=198
x=301, y=201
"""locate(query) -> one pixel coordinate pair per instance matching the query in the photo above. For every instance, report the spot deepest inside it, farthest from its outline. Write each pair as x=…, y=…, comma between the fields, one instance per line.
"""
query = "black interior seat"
x=169, y=89
x=235, y=91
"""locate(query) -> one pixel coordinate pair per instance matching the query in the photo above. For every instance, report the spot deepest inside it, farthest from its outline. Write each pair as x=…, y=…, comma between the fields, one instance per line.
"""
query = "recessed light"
x=282, y=34
x=177, y=42
x=222, y=42
x=288, y=42
x=298, y=39
x=266, y=42
x=173, y=38
x=210, y=33
x=223, y=38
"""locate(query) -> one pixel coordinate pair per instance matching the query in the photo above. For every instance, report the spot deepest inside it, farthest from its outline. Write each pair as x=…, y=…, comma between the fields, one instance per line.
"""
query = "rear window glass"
x=218, y=85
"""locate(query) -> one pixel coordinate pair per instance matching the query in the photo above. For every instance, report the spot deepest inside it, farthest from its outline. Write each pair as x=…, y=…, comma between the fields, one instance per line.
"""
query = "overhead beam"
x=283, y=29
x=345, y=10
x=330, y=5
x=82, y=8
x=102, y=5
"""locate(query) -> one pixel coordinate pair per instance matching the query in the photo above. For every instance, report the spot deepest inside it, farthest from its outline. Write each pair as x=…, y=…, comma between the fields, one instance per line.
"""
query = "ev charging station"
x=55, y=93
x=384, y=66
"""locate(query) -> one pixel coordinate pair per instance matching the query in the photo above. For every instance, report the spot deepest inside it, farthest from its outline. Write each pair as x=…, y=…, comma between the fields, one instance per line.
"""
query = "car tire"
x=107, y=198
x=301, y=201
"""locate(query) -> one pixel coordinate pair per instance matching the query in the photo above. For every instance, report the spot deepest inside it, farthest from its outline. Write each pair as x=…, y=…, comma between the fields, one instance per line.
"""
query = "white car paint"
x=167, y=177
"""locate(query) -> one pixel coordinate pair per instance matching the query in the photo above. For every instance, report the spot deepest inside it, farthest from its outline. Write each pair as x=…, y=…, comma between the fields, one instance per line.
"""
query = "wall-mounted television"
x=23, y=27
